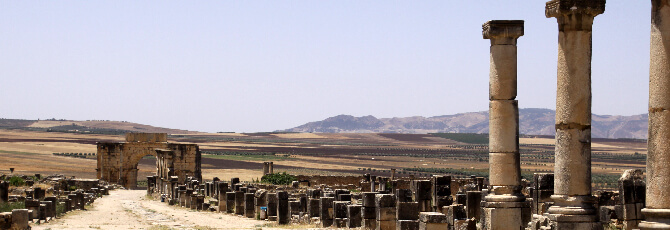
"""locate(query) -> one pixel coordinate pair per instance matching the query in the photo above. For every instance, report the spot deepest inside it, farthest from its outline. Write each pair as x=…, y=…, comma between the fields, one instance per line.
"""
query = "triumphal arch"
x=117, y=162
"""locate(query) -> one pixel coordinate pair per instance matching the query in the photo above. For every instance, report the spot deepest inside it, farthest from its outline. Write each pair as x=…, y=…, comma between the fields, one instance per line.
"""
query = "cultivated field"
x=228, y=155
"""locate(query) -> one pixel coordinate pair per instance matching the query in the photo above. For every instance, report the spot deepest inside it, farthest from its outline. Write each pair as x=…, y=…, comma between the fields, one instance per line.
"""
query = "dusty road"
x=129, y=209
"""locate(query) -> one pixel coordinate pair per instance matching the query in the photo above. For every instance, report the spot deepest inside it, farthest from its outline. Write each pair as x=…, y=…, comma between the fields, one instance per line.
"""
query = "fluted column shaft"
x=572, y=179
x=657, y=211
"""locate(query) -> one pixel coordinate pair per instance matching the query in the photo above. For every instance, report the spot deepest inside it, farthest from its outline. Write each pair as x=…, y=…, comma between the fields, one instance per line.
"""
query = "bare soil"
x=131, y=209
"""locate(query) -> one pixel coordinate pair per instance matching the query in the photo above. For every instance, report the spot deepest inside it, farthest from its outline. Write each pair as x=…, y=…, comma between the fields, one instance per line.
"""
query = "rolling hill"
x=90, y=126
x=532, y=121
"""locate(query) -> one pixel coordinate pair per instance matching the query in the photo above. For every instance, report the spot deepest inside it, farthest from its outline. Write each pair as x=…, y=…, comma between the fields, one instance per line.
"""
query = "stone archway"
x=117, y=162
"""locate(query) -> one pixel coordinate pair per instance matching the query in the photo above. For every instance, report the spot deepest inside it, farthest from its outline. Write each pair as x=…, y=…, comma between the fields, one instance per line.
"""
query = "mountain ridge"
x=532, y=121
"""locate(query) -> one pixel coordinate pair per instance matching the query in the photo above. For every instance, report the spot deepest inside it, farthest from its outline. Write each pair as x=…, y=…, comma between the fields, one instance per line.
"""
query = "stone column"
x=283, y=212
x=4, y=192
x=266, y=168
x=386, y=211
x=369, y=213
x=504, y=202
x=327, y=215
x=249, y=205
x=657, y=211
x=573, y=202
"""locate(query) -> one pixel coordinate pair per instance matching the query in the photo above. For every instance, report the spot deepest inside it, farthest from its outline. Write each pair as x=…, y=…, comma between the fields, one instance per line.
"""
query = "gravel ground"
x=129, y=209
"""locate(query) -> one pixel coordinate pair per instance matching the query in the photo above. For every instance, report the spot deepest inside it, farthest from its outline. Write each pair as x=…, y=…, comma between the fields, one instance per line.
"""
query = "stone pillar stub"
x=574, y=204
x=657, y=201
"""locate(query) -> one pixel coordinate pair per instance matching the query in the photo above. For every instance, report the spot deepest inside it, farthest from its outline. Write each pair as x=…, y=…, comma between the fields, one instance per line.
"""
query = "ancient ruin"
x=117, y=162
x=63, y=195
x=505, y=206
x=573, y=203
x=560, y=200
x=657, y=212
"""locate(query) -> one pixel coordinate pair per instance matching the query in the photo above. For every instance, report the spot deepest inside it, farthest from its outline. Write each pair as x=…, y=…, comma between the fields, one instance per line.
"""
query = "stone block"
x=425, y=205
x=504, y=120
x=340, y=209
x=354, y=216
x=314, y=193
x=369, y=212
x=387, y=213
x=369, y=199
x=407, y=211
x=20, y=218
x=543, y=181
x=607, y=213
x=294, y=207
x=326, y=223
x=403, y=195
x=407, y=225
x=441, y=182
x=631, y=211
x=313, y=208
x=326, y=204
x=344, y=197
x=369, y=224
x=249, y=205
x=282, y=195
x=283, y=212
x=503, y=218
x=422, y=190
x=230, y=202
x=339, y=223
x=442, y=201
x=461, y=199
x=468, y=224
x=384, y=200
x=456, y=212
x=303, y=203
x=432, y=217
x=433, y=226
x=474, y=204
x=239, y=202
x=385, y=225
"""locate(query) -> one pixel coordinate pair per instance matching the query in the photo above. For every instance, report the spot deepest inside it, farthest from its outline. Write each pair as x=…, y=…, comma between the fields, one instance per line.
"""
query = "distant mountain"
x=90, y=126
x=532, y=121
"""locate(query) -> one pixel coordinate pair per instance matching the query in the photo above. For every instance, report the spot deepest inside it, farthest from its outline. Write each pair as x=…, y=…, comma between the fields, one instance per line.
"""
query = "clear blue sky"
x=250, y=66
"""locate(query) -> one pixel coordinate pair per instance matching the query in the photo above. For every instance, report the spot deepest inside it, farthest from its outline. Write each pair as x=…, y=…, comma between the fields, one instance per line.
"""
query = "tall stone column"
x=657, y=211
x=504, y=202
x=573, y=202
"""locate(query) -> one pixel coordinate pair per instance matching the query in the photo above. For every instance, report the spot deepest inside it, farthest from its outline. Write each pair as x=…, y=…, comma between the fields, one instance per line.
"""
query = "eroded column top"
x=574, y=14
x=502, y=32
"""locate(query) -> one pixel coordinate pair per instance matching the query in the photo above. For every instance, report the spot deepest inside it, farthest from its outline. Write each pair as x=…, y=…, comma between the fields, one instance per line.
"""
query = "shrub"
x=278, y=178
x=9, y=206
x=16, y=181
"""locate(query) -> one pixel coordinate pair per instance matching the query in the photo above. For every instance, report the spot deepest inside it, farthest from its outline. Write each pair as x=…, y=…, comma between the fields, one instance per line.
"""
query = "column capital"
x=505, y=30
x=574, y=14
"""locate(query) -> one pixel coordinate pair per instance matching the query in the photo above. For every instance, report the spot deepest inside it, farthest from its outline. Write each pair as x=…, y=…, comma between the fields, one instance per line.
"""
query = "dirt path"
x=129, y=209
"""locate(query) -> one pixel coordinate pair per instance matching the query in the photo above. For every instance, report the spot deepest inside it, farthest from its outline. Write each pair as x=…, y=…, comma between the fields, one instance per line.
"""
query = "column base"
x=574, y=222
x=573, y=205
x=655, y=219
x=506, y=215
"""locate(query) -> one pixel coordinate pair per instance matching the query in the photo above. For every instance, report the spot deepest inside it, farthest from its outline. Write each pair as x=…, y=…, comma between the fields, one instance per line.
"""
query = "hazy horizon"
x=269, y=65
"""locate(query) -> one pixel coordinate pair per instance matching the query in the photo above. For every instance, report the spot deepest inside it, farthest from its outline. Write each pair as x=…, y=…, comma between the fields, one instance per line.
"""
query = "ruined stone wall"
x=332, y=180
